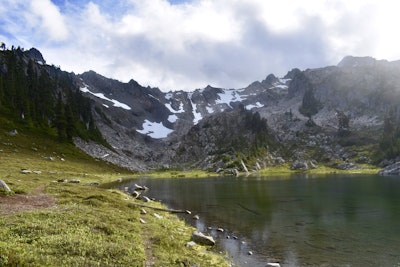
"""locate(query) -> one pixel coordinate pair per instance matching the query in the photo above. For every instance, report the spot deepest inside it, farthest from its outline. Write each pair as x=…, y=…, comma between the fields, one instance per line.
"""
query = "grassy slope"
x=89, y=226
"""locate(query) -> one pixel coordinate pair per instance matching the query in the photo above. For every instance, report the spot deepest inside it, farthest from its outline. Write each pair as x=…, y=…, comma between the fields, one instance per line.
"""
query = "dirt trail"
x=10, y=204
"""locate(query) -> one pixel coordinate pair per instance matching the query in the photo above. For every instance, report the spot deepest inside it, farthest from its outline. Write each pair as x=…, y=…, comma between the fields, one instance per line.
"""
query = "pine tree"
x=70, y=129
x=310, y=106
x=390, y=141
x=60, y=122
x=343, y=123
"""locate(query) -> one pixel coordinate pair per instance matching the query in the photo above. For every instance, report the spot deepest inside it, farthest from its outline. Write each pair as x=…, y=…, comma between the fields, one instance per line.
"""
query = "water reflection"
x=301, y=221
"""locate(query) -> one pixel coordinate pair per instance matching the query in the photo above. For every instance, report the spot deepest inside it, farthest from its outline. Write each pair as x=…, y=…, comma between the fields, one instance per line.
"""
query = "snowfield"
x=155, y=130
x=116, y=103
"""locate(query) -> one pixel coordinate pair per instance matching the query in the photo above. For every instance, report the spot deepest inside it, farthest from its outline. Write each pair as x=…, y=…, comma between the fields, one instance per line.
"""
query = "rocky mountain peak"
x=292, y=73
x=270, y=79
x=35, y=55
x=351, y=62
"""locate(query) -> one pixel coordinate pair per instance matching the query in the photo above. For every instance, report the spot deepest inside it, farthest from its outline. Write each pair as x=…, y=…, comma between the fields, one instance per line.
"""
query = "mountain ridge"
x=148, y=129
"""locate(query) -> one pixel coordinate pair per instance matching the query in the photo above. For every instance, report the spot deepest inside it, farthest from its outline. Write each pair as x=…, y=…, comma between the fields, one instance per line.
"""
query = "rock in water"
x=203, y=239
x=4, y=186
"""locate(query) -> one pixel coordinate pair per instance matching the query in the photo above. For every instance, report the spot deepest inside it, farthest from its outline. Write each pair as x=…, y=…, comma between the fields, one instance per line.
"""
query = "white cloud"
x=47, y=17
x=187, y=45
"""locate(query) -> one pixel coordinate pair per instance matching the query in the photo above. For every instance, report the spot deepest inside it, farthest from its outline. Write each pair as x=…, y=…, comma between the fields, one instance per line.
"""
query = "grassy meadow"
x=85, y=225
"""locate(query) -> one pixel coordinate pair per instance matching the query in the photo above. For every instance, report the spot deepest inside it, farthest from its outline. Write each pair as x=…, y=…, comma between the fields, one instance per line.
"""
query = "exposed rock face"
x=215, y=141
x=393, y=169
x=360, y=88
x=35, y=55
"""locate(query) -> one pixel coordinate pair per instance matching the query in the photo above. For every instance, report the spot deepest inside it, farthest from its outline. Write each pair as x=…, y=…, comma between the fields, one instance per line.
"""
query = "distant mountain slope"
x=333, y=115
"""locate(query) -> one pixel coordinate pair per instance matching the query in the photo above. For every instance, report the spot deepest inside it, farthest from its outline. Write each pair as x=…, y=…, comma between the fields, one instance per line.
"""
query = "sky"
x=189, y=44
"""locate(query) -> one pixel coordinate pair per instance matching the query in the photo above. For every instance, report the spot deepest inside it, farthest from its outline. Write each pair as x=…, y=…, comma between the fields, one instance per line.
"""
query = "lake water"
x=333, y=220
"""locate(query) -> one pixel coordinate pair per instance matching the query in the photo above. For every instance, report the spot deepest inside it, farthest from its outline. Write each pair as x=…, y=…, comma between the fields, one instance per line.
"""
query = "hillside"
x=338, y=116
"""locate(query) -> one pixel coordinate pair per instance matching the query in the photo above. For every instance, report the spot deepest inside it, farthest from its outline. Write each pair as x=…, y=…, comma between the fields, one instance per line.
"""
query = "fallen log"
x=157, y=208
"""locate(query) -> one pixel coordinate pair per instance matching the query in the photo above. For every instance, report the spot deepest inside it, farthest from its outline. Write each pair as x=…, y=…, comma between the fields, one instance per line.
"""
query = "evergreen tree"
x=70, y=129
x=60, y=122
x=343, y=123
x=310, y=106
x=390, y=141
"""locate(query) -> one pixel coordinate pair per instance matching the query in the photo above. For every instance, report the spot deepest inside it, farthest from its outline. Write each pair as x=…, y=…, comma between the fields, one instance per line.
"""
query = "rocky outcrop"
x=393, y=169
x=348, y=166
x=35, y=54
x=303, y=165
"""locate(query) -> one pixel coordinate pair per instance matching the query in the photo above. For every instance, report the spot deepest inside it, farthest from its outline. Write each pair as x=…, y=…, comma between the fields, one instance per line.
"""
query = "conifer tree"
x=310, y=106
x=60, y=122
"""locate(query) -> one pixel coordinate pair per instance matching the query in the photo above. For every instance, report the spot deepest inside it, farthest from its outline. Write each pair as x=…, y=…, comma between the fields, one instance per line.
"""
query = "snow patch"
x=154, y=97
x=155, y=129
x=172, y=118
x=102, y=96
x=168, y=96
x=181, y=110
x=282, y=80
x=280, y=86
x=85, y=90
x=228, y=96
x=257, y=105
x=197, y=115
x=209, y=109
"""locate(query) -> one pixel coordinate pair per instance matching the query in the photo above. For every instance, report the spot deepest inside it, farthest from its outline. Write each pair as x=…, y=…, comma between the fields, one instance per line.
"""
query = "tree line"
x=44, y=97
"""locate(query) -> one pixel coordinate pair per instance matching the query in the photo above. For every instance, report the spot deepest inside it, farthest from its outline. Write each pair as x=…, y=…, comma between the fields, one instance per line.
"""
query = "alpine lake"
x=297, y=220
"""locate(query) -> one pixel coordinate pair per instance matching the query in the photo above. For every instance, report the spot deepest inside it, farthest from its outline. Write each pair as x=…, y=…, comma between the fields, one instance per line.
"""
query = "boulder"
x=4, y=186
x=202, y=239
x=244, y=166
x=313, y=164
x=393, y=169
x=279, y=160
x=348, y=166
x=158, y=216
x=140, y=187
x=190, y=244
x=299, y=165
x=13, y=132
x=145, y=199
x=135, y=194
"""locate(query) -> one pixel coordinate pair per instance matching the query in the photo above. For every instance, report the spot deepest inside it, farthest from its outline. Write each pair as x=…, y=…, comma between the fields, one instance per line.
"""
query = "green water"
x=331, y=220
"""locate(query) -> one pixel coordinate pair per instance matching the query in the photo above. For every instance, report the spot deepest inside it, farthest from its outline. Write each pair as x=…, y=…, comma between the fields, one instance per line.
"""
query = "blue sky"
x=179, y=44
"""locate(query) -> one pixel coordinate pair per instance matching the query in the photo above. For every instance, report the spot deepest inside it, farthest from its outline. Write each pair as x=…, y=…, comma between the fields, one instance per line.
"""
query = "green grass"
x=88, y=226
x=179, y=174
